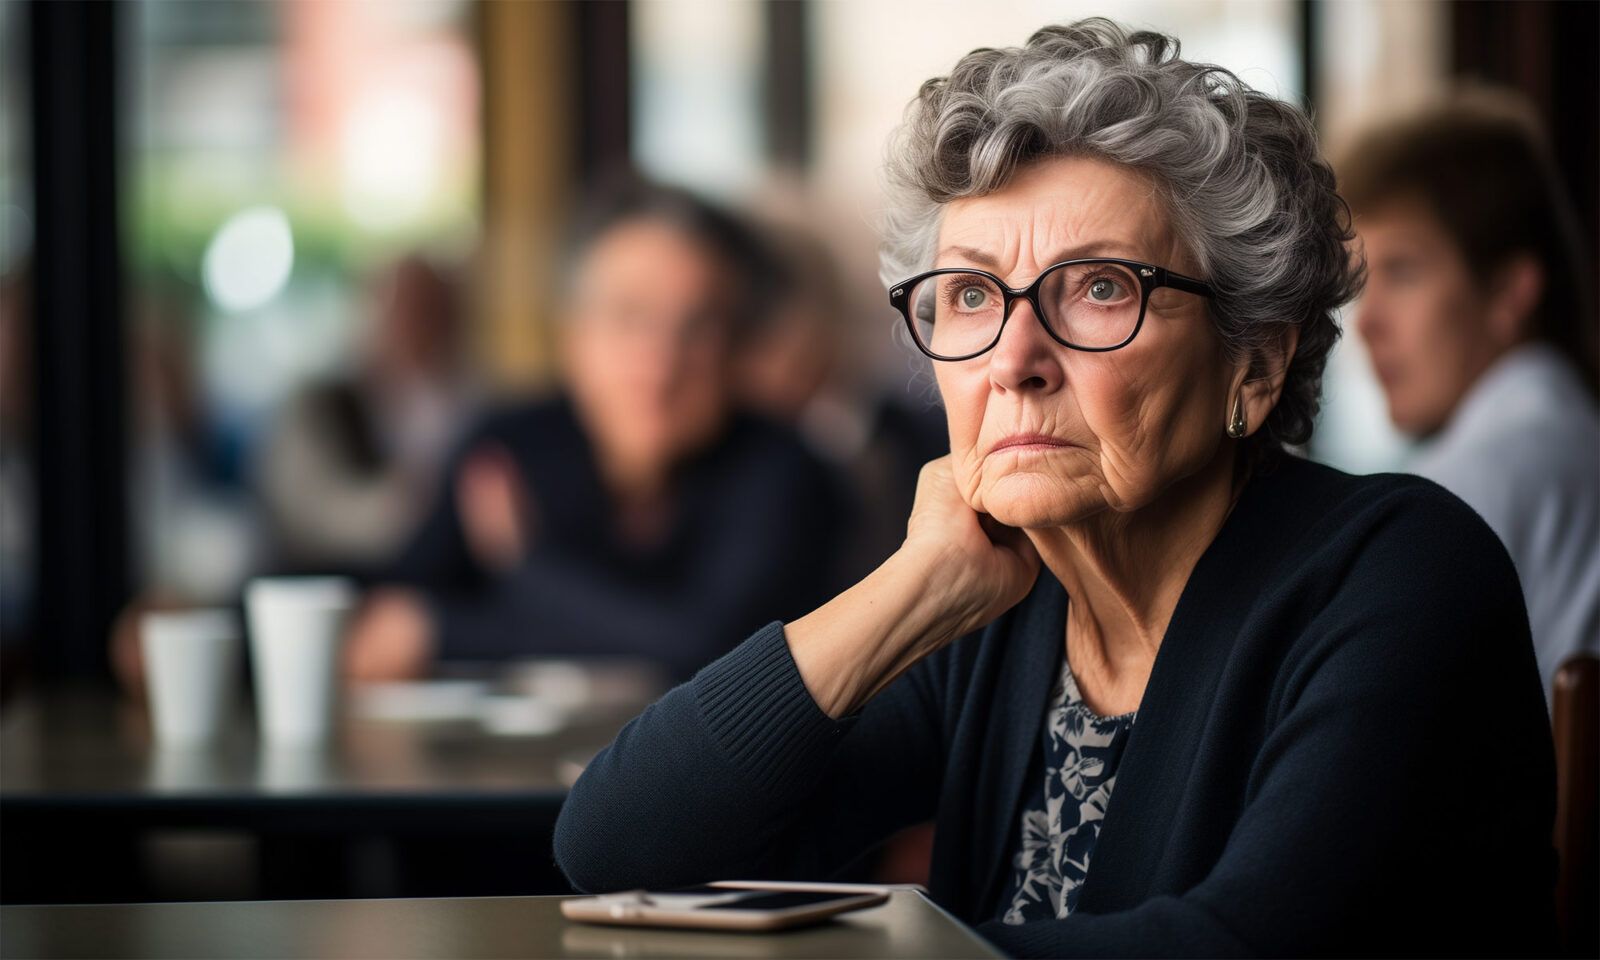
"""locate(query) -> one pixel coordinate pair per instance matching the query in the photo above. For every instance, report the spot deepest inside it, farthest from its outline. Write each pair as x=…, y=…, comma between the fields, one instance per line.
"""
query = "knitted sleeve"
x=738, y=774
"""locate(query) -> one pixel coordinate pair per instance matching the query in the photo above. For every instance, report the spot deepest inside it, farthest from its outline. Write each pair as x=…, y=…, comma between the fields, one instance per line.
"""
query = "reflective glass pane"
x=284, y=159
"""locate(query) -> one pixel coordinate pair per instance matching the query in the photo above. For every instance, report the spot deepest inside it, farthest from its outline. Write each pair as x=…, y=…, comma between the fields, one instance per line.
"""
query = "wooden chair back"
x=1575, y=719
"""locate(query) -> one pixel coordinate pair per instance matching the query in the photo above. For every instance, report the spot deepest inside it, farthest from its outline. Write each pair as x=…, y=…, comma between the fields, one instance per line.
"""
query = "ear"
x=1514, y=297
x=1260, y=381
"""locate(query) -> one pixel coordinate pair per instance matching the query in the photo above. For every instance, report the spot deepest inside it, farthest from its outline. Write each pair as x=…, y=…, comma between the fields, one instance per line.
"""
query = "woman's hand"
x=980, y=566
x=956, y=571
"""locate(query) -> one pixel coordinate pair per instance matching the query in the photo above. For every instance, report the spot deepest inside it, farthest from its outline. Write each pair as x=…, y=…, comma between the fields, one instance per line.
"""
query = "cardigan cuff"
x=760, y=713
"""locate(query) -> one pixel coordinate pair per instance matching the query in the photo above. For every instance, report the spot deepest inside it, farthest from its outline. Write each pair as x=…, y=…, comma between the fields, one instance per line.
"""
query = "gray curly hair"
x=1239, y=172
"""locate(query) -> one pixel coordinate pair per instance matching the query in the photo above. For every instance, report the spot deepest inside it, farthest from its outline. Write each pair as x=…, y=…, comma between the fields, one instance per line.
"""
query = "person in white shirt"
x=1479, y=318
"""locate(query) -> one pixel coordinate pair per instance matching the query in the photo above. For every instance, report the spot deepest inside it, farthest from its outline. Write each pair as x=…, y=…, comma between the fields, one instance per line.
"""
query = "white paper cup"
x=183, y=767
x=191, y=663
x=285, y=767
x=295, y=629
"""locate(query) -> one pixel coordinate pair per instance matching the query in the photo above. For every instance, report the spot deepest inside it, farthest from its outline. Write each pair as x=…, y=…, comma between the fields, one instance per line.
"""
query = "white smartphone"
x=727, y=905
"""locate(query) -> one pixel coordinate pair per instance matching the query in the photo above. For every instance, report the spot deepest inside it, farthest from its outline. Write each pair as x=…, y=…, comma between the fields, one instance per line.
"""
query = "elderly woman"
x=1165, y=689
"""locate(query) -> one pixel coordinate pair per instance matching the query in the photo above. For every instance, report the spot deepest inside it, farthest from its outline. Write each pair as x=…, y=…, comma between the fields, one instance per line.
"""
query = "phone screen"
x=733, y=898
x=780, y=900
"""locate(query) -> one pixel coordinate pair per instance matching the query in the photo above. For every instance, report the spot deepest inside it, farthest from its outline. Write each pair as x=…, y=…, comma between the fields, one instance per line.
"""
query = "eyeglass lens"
x=1090, y=304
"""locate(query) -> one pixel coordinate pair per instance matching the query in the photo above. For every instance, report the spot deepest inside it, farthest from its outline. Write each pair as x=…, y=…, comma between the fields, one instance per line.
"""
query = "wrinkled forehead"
x=1058, y=209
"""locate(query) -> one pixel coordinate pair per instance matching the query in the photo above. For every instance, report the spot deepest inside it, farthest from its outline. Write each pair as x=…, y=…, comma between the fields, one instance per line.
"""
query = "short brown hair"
x=1480, y=164
x=760, y=276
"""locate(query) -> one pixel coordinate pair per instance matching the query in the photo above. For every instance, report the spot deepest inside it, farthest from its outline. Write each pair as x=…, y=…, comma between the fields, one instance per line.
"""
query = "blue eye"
x=974, y=297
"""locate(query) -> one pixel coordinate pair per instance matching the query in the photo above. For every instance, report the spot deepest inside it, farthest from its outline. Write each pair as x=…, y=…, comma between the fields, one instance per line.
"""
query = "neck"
x=643, y=520
x=1124, y=573
x=641, y=496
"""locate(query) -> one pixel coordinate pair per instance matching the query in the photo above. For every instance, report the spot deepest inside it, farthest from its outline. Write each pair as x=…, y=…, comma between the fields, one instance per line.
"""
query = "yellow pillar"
x=531, y=131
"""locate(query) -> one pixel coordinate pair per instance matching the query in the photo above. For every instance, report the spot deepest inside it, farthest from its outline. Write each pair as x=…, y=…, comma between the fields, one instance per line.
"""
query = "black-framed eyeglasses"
x=956, y=313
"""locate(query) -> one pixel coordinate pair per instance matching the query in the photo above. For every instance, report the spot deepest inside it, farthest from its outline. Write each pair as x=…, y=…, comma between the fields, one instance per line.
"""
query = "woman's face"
x=648, y=342
x=1043, y=435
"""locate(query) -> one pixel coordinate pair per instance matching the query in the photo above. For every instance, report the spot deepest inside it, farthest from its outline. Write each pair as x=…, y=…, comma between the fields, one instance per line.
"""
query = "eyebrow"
x=1087, y=251
x=980, y=257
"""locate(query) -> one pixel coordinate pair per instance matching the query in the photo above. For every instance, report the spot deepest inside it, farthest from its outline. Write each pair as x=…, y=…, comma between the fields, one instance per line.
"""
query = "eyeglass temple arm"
x=1177, y=281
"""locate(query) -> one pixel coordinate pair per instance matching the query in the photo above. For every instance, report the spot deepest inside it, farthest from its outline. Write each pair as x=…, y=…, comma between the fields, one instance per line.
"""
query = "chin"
x=1031, y=502
x=1414, y=423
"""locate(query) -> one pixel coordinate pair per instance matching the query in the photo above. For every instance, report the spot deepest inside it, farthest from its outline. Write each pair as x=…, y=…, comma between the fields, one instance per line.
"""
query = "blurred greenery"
x=171, y=215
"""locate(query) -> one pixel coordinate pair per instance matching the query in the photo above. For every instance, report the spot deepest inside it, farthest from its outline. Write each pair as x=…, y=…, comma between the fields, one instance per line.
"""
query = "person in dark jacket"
x=1165, y=689
x=638, y=513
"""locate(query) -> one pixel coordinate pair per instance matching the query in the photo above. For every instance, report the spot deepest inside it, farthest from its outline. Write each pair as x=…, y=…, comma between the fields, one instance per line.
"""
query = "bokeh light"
x=249, y=260
x=391, y=162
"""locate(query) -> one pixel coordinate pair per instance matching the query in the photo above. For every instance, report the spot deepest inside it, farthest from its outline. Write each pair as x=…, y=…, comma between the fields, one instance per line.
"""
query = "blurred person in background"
x=638, y=513
x=343, y=473
x=795, y=370
x=349, y=465
x=1479, y=317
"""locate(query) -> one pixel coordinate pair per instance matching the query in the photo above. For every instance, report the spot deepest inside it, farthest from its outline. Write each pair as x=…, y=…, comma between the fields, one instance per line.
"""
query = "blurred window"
x=1377, y=59
x=277, y=154
x=872, y=58
x=697, y=86
x=16, y=187
x=698, y=72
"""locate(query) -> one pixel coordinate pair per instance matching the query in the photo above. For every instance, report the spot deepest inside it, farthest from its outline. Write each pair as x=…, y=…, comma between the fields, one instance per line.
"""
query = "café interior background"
x=197, y=197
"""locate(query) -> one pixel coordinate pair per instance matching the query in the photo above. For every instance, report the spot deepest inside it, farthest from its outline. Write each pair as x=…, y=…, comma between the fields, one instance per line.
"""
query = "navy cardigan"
x=1342, y=748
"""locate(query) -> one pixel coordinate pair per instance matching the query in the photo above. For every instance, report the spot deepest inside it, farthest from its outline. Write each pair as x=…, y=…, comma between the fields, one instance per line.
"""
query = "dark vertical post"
x=605, y=87
x=79, y=358
x=1310, y=53
x=1544, y=50
x=788, y=83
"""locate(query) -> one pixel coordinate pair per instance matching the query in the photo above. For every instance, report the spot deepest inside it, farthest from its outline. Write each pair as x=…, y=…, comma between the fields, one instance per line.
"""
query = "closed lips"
x=1029, y=440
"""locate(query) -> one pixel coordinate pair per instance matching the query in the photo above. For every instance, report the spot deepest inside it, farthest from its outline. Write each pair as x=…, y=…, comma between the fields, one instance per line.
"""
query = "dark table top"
x=69, y=749
x=909, y=925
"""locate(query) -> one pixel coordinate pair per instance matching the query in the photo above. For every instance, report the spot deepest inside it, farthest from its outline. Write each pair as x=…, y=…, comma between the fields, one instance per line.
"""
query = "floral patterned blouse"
x=1062, y=822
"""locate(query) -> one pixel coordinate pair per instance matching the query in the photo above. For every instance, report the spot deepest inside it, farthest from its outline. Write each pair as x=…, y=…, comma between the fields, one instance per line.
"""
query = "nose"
x=1026, y=358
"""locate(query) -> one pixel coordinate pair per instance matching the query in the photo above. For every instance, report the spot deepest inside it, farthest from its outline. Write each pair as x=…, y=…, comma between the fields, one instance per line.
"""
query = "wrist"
x=852, y=647
x=950, y=593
